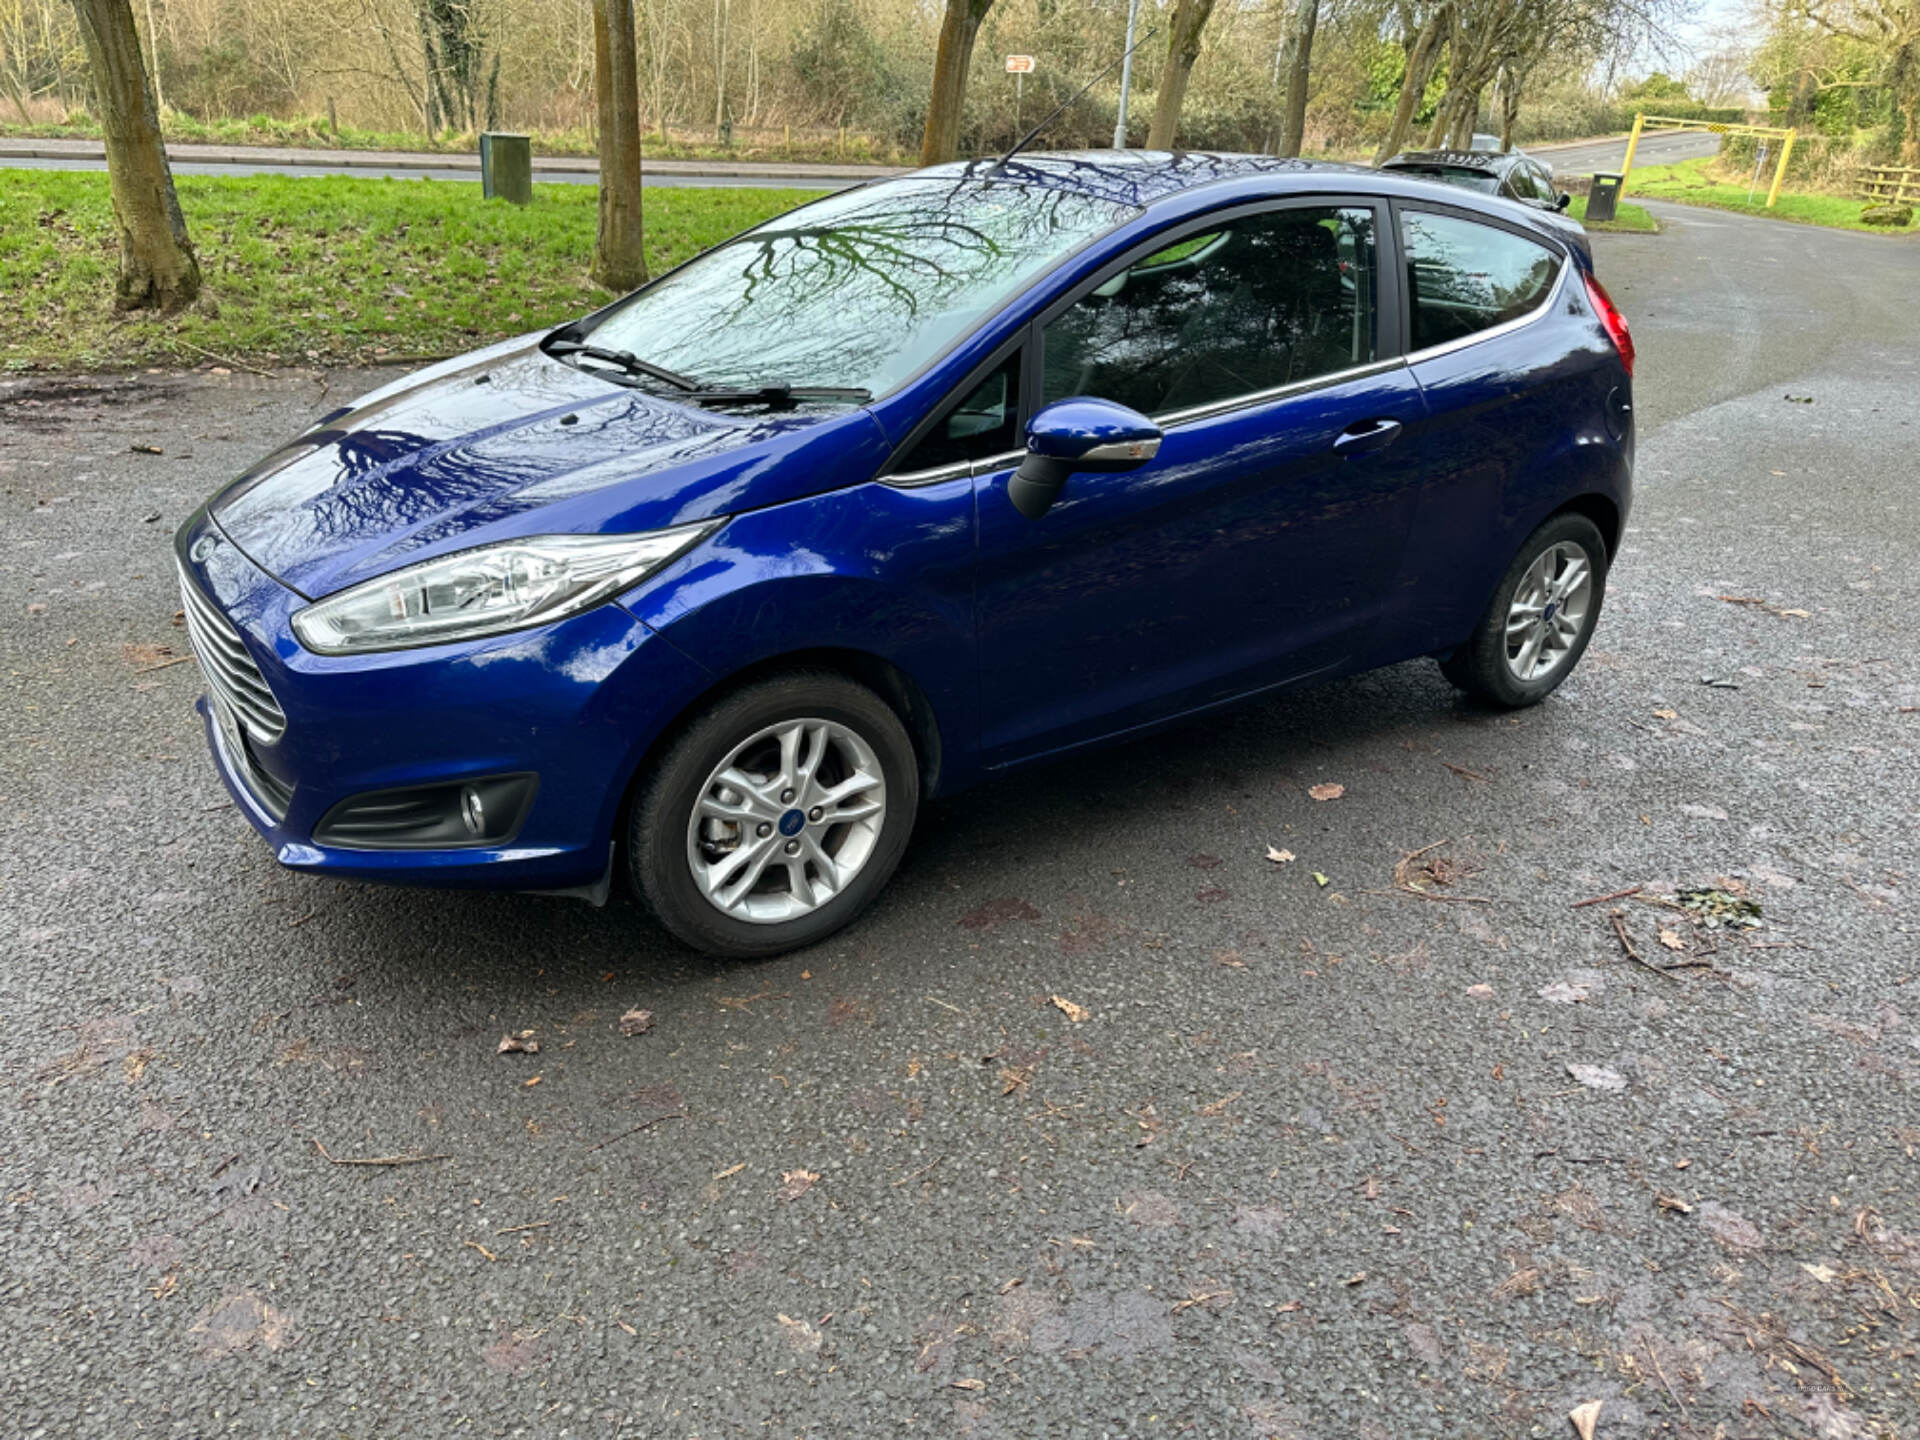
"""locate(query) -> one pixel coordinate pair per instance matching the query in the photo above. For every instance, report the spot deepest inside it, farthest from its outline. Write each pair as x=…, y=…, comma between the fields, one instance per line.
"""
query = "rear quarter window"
x=1464, y=277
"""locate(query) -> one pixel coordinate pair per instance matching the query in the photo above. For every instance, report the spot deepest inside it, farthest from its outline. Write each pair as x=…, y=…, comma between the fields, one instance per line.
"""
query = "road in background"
x=194, y=159
x=1657, y=148
x=1326, y=1157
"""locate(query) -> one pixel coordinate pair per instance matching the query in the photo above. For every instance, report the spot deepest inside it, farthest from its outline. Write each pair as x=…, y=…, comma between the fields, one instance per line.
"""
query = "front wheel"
x=776, y=818
x=1540, y=619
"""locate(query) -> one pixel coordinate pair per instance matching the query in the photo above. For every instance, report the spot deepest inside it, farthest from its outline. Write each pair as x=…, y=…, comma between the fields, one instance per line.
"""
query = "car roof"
x=1162, y=180
x=1490, y=161
x=1140, y=177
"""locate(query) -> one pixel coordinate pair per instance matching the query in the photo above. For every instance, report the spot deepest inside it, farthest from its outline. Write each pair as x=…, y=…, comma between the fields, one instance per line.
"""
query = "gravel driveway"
x=1391, y=1139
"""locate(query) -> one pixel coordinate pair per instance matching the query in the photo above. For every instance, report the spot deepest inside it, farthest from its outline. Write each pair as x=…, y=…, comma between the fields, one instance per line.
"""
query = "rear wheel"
x=776, y=818
x=1540, y=619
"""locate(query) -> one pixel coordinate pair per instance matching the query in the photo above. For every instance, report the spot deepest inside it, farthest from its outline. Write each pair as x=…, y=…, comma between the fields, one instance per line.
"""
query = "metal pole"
x=1633, y=144
x=1780, y=174
x=1126, y=80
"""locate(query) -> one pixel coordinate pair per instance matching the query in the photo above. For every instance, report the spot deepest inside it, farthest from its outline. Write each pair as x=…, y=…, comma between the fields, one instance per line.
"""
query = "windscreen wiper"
x=781, y=397
x=624, y=360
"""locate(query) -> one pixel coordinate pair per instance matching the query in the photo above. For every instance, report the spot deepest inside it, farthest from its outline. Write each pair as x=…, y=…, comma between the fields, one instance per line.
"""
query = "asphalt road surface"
x=1314, y=1164
x=652, y=178
x=1656, y=148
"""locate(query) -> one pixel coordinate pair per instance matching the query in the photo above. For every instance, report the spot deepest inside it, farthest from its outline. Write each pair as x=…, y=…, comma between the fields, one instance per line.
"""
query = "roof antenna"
x=1054, y=114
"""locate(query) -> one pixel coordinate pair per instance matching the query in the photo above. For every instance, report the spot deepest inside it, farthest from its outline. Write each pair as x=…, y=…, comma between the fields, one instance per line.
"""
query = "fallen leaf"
x=146, y=450
x=804, y=1339
x=967, y=1384
x=795, y=1183
x=1279, y=857
x=1672, y=941
x=1565, y=992
x=520, y=1042
x=1073, y=1012
x=1821, y=1273
x=1673, y=1203
x=1356, y=1278
x=1597, y=1077
x=636, y=1022
x=1327, y=792
x=1480, y=992
x=1321, y=880
x=1287, y=1307
x=1666, y=714
x=1584, y=1418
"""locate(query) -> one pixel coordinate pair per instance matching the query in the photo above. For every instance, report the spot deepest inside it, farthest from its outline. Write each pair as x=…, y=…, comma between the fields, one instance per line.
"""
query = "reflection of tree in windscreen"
x=862, y=296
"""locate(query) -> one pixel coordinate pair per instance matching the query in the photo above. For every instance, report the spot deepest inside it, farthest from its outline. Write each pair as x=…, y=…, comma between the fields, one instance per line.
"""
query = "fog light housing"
x=450, y=815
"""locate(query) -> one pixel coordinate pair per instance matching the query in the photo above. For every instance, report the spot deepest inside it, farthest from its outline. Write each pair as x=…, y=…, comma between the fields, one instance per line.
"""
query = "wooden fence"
x=1894, y=184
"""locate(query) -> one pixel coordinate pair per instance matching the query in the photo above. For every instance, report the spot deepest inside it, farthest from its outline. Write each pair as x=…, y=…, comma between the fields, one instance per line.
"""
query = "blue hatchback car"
x=913, y=485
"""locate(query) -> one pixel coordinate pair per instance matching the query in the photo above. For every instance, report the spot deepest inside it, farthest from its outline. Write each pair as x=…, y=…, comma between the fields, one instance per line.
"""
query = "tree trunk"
x=1464, y=118
x=157, y=268
x=619, y=263
x=959, y=28
x=1183, y=48
x=1422, y=56
x=1509, y=112
x=1297, y=62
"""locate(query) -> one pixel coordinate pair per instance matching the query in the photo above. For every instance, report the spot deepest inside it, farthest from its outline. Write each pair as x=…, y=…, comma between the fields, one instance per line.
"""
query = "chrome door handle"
x=1367, y=436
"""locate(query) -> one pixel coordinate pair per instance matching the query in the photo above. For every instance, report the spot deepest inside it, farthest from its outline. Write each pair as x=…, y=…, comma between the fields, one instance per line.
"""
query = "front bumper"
x=576, y=703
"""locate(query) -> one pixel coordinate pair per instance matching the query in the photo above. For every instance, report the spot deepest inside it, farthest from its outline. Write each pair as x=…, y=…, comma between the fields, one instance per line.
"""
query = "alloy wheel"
x=786, y=821
x=1549, y=611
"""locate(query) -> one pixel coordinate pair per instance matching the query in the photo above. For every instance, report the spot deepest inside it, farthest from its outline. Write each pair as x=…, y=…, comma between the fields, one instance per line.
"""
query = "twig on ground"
x=223, y=359
x=643, y=1125
x=915, y=1174
x=376, y=1159
x=1602, y=899
x=476, y=1245
x=1618, y=918
x=1466, y=774
x=1405, y=886
x=1647, y=1341
x=516, y=1229
x=163, y=665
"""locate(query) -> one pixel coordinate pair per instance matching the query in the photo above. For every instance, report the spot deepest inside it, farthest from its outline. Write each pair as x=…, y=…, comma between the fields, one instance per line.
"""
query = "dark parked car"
x=899, y=492
x=1513, y=175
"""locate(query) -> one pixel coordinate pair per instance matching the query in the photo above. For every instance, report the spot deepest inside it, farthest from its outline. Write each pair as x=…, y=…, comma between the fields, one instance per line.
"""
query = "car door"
x=1258, y=545
x=1506, y=389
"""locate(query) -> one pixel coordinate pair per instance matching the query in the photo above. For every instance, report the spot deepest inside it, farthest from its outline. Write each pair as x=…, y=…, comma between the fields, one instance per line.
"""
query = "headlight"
x=483, y=592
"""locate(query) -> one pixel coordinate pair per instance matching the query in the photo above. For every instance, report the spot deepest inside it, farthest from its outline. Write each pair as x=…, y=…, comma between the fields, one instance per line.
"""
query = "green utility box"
x=506, y=167
x=1604, y=196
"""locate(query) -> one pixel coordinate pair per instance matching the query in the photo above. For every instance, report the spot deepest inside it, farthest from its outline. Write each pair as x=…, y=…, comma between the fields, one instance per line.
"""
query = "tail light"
x=1612, y=319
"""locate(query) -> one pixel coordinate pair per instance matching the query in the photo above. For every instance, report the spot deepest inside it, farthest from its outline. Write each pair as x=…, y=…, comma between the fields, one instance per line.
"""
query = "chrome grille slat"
x=229, y=669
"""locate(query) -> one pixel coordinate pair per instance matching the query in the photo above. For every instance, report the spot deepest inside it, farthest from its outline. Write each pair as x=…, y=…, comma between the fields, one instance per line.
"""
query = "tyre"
x=776, y=818
x=1540, y=619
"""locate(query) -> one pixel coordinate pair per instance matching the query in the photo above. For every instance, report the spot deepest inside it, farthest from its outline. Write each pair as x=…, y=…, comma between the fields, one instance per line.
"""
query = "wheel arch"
x=907, y=698
x=1604, y=514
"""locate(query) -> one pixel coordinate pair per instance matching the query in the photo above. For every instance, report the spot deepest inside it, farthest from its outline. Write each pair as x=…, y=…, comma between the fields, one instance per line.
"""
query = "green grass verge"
x=1696, y=182
x=1632, y=219
x=325, y=269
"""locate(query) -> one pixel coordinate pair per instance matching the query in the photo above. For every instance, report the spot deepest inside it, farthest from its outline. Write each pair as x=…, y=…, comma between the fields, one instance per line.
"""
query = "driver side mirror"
x=1080, y=435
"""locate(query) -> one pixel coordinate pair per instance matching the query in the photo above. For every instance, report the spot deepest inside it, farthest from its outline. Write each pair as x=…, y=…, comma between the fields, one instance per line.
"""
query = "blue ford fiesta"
x=903, y=489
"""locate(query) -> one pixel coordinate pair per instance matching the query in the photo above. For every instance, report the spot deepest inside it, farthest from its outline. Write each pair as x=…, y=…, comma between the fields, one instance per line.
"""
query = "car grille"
x=232, y=677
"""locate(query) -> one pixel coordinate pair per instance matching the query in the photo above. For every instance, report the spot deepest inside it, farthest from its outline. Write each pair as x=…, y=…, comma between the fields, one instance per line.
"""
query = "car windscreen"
x=861, y=290
x=1454, y=175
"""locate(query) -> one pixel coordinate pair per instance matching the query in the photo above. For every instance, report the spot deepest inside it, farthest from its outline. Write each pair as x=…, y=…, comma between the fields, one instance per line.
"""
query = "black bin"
x=1604, y=196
